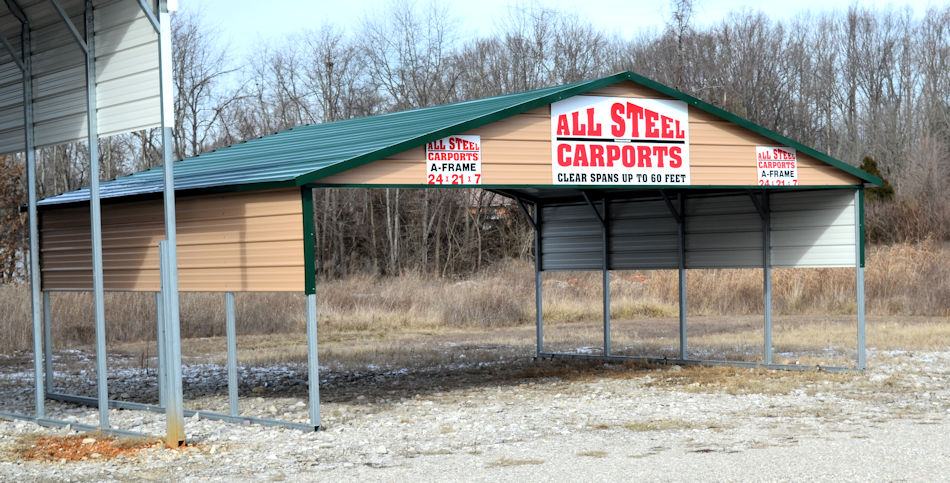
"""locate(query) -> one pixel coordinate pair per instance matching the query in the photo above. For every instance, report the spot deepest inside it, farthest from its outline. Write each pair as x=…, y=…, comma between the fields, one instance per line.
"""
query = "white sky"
x=242, y=24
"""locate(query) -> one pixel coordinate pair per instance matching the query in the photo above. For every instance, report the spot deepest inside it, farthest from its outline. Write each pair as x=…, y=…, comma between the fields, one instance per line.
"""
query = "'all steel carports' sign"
x=619, y=140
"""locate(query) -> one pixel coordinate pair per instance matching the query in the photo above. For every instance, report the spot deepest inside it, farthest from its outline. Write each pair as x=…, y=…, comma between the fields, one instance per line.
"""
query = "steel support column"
x=313, y=363
x=682, y=272
x=175, y=430
x=86, y=44
x=174, y=404
x=767, y=274
x=538, y=294
x=160, y=342
x=859, y=268
x=25, y=62
x=232, y=354
x=98, y=284
x=47, y=342
x=605, y=254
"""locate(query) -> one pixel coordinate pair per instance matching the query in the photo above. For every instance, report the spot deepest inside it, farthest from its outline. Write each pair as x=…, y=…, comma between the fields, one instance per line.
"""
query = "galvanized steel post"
x=859, y=276
x=767, y=273
x=682, y=272
x=313, y=363
x=26, y=68
x=538, y=299
x=175, y=433
x=174, y=405
x=232, y=353
x=87, y=45
x=605, y=254
x=47, y=343
x=160, y=355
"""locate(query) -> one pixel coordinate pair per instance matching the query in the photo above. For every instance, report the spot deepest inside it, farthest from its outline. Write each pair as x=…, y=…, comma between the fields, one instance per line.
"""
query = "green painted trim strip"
x=582, y=187
x=861, y=221
x=309, y=238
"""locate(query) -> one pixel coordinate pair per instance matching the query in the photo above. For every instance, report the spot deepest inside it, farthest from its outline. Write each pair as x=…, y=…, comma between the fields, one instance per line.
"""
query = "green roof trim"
x=303, y=155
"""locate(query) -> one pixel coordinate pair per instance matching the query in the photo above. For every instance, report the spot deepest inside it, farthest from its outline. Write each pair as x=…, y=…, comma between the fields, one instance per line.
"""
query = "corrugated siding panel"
x=813, y=229
x=571, y=238
x=127, y=79
x=723, y=232
x=250, y=241
x=643, y=235
x=809, y=229
x=126, y=70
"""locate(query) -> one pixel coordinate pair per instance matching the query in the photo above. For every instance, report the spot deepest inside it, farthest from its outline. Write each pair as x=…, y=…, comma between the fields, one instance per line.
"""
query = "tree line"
x=864, y=85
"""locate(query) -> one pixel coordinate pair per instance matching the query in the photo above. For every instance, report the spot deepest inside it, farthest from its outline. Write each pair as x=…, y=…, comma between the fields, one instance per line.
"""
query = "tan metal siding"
x=517, y=151
x=249, y=241
x=627, y=89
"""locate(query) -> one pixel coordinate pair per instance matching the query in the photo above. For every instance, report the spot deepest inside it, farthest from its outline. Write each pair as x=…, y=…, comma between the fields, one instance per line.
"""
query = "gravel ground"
x=523, y=419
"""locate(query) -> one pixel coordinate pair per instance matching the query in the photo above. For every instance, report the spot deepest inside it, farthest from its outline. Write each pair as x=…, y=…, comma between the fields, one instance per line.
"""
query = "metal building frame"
x=168, y=323
x=423, y=126
x=760, y=198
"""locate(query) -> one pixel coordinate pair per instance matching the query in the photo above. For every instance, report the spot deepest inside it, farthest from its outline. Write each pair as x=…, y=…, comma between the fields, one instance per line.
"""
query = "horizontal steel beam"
x=697, y=362
x=56, y=423
x=93, y=402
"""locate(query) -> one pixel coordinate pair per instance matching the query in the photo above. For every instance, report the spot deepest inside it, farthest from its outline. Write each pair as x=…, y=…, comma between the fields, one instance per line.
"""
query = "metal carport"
x=622, y=172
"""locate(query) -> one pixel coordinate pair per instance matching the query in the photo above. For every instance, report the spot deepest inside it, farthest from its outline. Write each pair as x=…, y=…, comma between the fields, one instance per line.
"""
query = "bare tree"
x=201, y=94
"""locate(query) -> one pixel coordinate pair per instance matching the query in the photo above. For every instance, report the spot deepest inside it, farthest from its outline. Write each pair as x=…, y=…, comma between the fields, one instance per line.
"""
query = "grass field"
x=908, y=302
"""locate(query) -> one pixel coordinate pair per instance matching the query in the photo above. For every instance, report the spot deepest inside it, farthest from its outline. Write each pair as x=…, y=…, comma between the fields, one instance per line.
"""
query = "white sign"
x=619, y=141
x=454, y=160
x=777, y=166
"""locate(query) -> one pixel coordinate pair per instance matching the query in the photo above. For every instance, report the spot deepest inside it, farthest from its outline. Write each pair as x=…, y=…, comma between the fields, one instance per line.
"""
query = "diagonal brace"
x=72, y=28
x=149, y=14
x=758, y=205
x=669, y=204
x=594, y=207
x=527, y=215
x=6, y=44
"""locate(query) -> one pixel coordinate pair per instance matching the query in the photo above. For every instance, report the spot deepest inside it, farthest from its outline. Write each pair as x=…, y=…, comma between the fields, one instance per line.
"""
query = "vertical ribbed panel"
x=723, y=232
x=813, y=228
x=127, y=80
x=643, y=235
x=570, y=238
x=126, y=68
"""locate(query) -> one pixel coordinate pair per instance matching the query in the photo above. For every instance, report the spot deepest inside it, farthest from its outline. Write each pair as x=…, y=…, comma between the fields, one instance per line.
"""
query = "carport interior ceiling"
x=127, y=81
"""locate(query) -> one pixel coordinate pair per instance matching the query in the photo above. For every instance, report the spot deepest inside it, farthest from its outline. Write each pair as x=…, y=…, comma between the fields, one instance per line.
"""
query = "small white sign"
x=777, y=166
x=454, y=160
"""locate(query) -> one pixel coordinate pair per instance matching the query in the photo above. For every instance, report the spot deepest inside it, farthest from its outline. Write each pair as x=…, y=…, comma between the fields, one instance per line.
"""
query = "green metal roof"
x=305, y=154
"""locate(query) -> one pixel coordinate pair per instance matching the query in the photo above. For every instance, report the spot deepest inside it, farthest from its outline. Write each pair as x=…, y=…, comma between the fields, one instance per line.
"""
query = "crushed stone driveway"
x=533, y=420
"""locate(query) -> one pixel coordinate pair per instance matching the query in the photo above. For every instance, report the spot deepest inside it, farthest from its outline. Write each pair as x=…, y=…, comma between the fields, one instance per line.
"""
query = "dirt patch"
x=79, y=447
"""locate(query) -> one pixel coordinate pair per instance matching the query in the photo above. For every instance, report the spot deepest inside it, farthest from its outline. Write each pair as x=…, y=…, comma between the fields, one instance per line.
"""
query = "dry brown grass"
x=504, y=462
x=724, y=306
x=734, y=380
x=660, y=425
x=593, y=454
